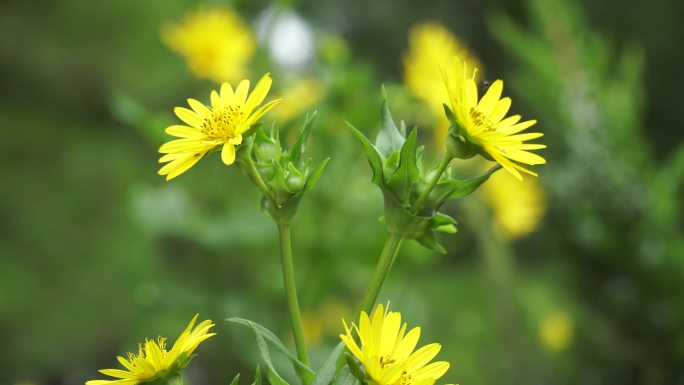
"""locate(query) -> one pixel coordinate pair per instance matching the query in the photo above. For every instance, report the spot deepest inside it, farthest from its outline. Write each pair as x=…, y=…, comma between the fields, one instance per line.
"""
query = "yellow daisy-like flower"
x=387, y=350
x=231, y=114
x=517, y=207
x=482, y=123
x=214, y=41
x=153, y=361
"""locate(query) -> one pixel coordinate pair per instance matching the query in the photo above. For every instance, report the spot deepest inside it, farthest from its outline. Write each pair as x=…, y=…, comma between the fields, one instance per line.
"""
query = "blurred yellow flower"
x=517, y=206
x=324, y=320
x=431, y=47
x=232, y=113
x=299, y=98
x=215, y=43
x=482, y=123
x=556, y=331
x=153, y=361
x=386, y=350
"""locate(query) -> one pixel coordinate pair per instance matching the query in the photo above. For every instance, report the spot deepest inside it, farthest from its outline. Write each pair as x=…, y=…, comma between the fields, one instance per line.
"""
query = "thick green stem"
x=292, y=302
x=418, y=204
x=389, y=253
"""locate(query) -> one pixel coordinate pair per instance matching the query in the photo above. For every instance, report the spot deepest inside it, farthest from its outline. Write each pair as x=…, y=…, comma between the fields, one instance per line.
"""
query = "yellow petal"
x=227, y=94
x=241, y=93
x=199, y=108
x=188, y=116
x=228, y=154
x=258, y=94
x=491, y=97
x=183, y=131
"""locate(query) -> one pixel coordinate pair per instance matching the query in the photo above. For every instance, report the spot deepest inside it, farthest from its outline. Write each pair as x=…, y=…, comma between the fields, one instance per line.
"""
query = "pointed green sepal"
x=372, y=153
x=389, y=139
x=406, y=174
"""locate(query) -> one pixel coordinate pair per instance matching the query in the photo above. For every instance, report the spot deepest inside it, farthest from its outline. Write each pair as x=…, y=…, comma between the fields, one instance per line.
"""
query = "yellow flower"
x=556, y=331
x=153, y=361
x=298, y=98
x=481, y=121
x=215, y=43
x=517, y=206
x=386, y=350
x=231, y=114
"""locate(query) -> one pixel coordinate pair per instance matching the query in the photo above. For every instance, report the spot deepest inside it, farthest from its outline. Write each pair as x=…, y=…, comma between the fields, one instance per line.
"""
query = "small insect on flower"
x=154, y=362
x=386, y=350
x=480, y=121
x=232, y=113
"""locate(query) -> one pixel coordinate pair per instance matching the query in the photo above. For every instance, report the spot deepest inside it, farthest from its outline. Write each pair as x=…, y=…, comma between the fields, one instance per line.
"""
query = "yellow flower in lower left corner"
x=154, y=362
x=231, y=114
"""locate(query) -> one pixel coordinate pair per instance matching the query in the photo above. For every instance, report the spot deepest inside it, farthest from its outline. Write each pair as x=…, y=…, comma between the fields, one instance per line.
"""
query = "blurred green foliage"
x=97, y=252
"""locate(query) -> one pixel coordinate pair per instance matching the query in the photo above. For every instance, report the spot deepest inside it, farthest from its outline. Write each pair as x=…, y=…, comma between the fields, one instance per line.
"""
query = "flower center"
x=223, y=123
x=481, y=120
x=386, y=361
x=405, y=379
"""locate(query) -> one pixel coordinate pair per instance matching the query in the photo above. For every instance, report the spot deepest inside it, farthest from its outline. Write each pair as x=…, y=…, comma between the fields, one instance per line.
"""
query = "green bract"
x=285, y=174
x=397, y=165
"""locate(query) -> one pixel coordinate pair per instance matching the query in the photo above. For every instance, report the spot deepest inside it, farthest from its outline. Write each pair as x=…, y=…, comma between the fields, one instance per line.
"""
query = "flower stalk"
x=292, y=301
x=389, y=254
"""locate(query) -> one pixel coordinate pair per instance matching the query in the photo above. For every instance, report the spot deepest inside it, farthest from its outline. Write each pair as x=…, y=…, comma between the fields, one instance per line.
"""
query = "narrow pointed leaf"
x=374, y=157
x=406, y=174
x=300, y=143
x=315, y=175
x=235, y=380
x=273, y=340
x=345, y=377
x=389, y=138
x=326, y=373
x=454, y=188
x=272, y=375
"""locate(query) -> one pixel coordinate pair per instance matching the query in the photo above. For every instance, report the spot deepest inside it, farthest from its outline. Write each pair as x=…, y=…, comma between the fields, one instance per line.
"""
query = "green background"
x=97, y=252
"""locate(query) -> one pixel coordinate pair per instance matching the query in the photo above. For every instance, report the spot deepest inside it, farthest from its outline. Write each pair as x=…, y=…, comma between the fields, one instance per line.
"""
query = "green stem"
x=389, y=253
x=418, y=204
x=292, y=302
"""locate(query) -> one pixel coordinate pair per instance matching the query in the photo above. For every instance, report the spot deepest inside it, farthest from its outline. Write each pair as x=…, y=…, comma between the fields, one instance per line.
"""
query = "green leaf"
x=297, y=151
x=235, y=380
x=406, y=175
x=428, y=240
x=326, y=373
x=272, y=375
x=389, y=138
x=374, y=157
x=273, y=340
x=257, y=376
x=454, y=188
x=315, y=175
x=354, y=367
x=449, y=114
x=345, y=377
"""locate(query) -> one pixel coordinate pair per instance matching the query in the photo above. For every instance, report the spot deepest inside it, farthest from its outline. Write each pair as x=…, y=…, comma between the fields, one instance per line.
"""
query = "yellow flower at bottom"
x=482, y=123
x=387, y=350
x=153, y=361
x=214, y=41
x=556, y=331
x=231, y=114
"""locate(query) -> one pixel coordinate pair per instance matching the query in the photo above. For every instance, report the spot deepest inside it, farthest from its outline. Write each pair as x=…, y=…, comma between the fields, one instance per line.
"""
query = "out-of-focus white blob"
x=289, y=38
